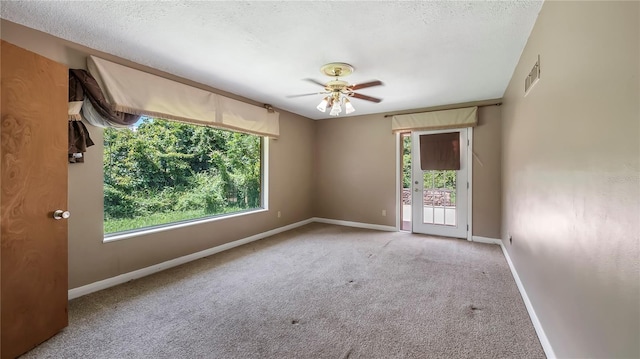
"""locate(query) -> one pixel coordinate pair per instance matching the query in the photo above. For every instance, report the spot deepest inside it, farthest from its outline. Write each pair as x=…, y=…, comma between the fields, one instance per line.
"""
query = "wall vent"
x=533, y=77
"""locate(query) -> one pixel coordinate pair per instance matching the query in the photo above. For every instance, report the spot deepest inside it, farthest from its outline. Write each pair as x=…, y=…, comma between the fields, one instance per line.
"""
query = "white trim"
x=377, y=227
x=265, y=171
x=123, y=278
x=398, y=182
x=470, y=182
x=486, y=240
x=542, y=336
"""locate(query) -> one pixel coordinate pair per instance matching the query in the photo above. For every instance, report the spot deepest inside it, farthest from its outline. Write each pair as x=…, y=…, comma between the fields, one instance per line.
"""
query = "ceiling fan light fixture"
x=322, y=107
x=337, y=92
x=335, y=109
x=348, y=107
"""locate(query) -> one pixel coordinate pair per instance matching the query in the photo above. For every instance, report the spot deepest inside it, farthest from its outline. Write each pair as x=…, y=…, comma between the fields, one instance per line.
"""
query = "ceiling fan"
x=337, y=92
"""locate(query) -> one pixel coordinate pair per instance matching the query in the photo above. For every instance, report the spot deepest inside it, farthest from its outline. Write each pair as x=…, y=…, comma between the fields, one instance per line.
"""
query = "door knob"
x=60, y=214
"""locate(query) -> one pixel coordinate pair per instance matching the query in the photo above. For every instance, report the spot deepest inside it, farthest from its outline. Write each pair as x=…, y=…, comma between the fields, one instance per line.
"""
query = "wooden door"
x=33, y=184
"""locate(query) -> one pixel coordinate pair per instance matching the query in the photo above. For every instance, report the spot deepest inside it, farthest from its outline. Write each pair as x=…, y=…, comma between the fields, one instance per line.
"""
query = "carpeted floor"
x=319, y=291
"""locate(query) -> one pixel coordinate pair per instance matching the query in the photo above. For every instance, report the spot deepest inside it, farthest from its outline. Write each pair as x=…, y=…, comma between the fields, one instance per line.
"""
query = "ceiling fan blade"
x=367, y=98
x=366, y=84
x=315, y=82
x=307, y=94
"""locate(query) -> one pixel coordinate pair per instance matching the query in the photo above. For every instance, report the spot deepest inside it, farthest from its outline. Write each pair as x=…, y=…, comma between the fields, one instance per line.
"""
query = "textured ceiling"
x=425, y=53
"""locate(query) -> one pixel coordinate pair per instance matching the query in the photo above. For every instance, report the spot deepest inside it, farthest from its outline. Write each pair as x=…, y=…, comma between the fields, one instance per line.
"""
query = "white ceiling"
x=426, y=53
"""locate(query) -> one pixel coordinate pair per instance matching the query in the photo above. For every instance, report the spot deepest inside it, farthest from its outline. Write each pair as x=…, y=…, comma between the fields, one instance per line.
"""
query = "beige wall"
x=487, y=184
x=571, y=177
x=90, y=260
x=356, y=170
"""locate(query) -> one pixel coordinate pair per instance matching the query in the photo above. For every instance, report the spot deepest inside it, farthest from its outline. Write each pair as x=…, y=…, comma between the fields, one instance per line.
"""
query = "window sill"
x=145, y=232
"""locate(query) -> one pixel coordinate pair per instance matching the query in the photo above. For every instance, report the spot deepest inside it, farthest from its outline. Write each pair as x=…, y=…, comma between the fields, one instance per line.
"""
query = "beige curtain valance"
x=436, y=120
x=133, y=91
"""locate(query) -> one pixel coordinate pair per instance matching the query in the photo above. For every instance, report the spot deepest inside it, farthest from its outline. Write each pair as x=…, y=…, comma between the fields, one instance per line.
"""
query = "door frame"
x=398, y=136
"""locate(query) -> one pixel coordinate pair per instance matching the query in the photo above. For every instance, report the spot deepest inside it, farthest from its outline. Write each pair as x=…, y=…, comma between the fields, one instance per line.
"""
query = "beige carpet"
x=319, y=291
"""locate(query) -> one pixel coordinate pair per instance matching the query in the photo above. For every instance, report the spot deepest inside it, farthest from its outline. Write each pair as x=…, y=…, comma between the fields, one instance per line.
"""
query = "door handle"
x=60, y=214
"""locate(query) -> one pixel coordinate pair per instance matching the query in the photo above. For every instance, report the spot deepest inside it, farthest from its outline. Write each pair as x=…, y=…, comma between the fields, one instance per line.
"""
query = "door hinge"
x=467, y=185
x=467, y=228
x=467, y=142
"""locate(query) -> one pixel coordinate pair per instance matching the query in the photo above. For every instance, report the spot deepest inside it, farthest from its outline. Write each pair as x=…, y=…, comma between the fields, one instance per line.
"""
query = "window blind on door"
x=440, y=151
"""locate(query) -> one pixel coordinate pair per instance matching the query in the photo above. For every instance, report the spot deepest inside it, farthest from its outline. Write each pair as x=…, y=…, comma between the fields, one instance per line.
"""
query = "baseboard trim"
x=377, y=227
x=542, y=336
x=486, y=240
x=123, y=278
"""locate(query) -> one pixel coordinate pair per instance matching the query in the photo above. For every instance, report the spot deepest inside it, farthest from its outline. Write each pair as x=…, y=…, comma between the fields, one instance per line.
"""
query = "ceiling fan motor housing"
x=336, y=86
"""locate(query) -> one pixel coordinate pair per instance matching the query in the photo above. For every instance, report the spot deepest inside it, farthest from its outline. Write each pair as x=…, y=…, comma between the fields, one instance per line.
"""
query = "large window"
x=162, y=172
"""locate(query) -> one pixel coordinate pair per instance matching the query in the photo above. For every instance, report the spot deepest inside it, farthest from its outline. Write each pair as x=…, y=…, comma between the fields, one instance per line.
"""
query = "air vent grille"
x=533, y=77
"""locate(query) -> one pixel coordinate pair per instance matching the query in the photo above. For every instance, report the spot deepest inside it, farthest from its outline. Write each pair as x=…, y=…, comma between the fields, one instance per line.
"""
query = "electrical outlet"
x=384, y=213
x=279, y=214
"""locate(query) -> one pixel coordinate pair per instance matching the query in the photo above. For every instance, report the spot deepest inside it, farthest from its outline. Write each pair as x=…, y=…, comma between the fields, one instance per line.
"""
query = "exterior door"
x=33, y=183
x=440, y=197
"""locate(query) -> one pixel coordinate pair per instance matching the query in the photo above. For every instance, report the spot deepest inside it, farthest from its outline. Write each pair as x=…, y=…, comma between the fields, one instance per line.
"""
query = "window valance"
x=140, y=93
x=436, y=120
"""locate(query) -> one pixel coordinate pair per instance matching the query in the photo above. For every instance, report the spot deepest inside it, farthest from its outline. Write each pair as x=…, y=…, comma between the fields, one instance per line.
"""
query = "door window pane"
x=439, y=197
